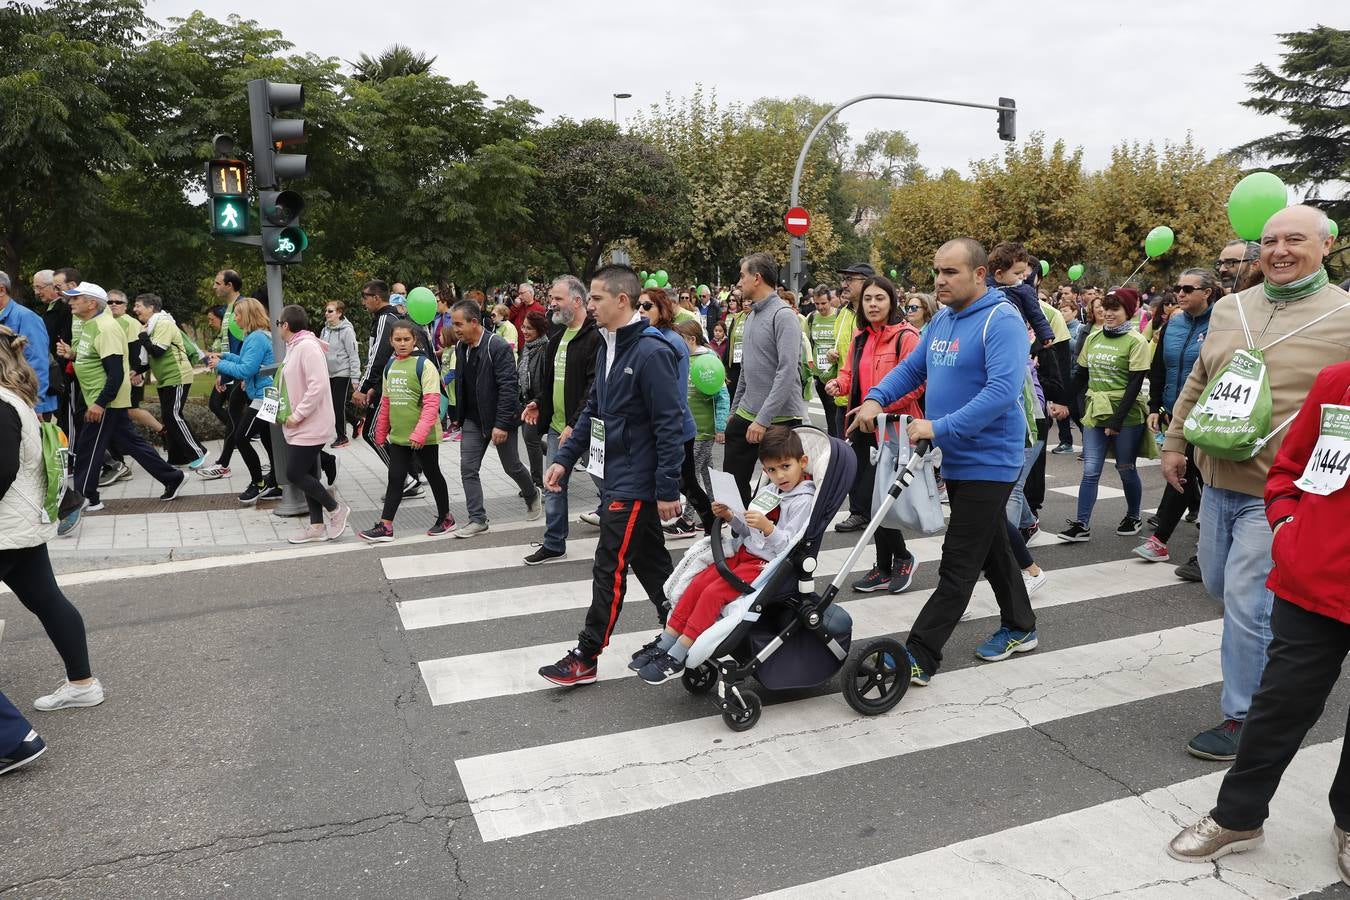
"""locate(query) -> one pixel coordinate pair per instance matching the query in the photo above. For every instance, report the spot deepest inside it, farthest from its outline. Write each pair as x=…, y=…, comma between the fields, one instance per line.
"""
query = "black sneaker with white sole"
x=649, y=651
x=271, y=492
x=855, y=522
x=543, y=555
x=29, y=749
x=1076, y=533
x=250, y=494
x=661, y=669
x=1128, y=526
x=171, y=490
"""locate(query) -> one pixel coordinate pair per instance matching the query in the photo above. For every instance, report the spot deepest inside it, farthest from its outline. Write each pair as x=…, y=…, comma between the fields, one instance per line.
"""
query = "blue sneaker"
x=1005, y=643
x=70, y=520
x=197, y=463
x=917, y=676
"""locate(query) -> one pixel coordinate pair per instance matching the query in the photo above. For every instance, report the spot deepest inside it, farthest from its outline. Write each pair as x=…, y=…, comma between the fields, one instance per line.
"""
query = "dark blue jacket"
x=676, y=340
x=1028, y=303
x=641, y=403
x=1181, y=340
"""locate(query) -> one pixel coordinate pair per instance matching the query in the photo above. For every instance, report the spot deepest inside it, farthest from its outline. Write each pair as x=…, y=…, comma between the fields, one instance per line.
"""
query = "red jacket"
x=873, y=352
x=1311, y=553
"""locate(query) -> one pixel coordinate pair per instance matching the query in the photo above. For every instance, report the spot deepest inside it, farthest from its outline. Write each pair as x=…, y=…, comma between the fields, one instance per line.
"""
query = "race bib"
x=595, y=462
x=736, y=354
x=269, y=405
x=766, y=502
x=1235, y=392
x=1329, y=465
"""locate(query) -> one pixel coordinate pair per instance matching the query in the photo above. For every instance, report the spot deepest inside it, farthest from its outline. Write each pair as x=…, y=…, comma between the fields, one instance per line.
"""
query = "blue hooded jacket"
x=1181, y=340
x=254, y=353
x=1024, y=297
x=23, y=321
x=642, y=403
x=975, y=364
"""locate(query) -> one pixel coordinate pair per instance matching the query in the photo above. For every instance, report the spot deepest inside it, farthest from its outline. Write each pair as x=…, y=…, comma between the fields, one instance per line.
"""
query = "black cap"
x=862, y=269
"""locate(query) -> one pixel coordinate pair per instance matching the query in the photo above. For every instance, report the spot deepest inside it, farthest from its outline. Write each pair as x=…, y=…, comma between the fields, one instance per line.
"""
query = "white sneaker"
x=591, y=518
x=69, y=696
x=535, y=508
x=472, y=529
x=1035, y=582
x=310, y=534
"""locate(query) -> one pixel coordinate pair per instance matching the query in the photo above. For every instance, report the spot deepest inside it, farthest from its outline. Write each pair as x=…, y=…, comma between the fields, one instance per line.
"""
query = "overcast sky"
x=1090, y=72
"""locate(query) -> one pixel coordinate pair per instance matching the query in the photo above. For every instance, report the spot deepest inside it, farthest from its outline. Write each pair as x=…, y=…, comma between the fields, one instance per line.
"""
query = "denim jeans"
x=1126, y=445
x=473, y=443
x=1235, y=561
x=1019, y=512
x=555, y=505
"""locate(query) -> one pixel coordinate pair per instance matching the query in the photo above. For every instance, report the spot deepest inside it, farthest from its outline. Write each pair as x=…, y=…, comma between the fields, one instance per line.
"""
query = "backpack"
x=55, y=454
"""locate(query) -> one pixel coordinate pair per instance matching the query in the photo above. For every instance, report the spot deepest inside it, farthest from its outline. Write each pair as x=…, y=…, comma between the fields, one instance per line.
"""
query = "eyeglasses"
x=1187, y=288
x=1221, y=262
x=369, y=294
x=647, y=305
x=117, y=303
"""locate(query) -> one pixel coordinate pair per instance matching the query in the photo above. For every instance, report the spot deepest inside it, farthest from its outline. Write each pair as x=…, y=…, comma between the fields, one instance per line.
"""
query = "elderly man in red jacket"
x=522, y=306
x=1308, y=505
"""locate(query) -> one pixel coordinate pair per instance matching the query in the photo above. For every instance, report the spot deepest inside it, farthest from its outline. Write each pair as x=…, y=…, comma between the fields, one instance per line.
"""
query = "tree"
x=596, y=187
x=395, y=62
x=1035, y=197
x=923, y=215
x=881, y=163
x=1310, y=91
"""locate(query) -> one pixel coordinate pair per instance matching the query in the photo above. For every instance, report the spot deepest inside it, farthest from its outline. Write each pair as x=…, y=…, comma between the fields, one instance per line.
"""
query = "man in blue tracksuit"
x=975, y=365
x=630, y=433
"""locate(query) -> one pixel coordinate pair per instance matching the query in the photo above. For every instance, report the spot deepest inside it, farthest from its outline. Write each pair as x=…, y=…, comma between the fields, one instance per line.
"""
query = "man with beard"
x=1237, y=265
x=569, y=369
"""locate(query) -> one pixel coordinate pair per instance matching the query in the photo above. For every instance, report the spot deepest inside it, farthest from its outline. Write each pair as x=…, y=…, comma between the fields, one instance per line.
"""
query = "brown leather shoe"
x=1342, y=852
x=1207, y=840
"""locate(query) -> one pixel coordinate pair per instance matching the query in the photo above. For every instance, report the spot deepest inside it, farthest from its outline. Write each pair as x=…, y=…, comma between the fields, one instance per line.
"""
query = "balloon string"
x=1134, y=273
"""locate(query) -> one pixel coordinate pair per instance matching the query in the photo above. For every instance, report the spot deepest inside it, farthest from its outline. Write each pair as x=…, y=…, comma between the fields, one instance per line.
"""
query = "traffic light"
x=227, y=189
x=1007, y=119
x=283, y=240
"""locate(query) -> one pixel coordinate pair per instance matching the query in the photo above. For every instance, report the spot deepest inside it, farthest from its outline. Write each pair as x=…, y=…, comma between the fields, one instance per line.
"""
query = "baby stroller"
x=780, y=630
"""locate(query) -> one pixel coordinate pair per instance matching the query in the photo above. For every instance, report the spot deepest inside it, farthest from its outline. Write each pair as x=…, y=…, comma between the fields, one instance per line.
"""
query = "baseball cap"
x=862, y=269
x=87, y=289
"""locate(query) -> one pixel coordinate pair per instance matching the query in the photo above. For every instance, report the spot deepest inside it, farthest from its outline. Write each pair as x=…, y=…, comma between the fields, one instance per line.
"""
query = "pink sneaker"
x=310, y=534
x=1152, y=550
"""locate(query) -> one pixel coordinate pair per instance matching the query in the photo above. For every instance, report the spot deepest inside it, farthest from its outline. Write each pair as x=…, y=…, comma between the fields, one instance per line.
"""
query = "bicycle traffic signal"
x=283, y=240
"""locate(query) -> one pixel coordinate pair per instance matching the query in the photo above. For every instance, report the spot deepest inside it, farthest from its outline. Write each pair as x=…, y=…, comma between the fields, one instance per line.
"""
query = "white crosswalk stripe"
x=528, y=784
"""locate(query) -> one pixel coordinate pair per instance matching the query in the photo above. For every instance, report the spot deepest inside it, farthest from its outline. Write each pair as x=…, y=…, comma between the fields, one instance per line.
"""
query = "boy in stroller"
x=772, y=518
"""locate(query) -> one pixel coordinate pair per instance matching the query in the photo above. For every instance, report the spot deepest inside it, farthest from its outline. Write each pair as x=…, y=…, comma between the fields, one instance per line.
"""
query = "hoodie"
x=304, y=372
x=344, y=360
x=1028, y=303
x=975, y=364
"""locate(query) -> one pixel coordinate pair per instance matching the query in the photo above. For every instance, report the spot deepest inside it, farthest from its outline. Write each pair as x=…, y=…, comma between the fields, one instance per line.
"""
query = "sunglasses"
x=913, y=307
x=647, y=305
x=117, y=303
x=1187, y=288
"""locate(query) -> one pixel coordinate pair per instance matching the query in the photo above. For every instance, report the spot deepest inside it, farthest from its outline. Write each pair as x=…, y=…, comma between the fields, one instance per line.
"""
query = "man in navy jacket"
x=630, y=433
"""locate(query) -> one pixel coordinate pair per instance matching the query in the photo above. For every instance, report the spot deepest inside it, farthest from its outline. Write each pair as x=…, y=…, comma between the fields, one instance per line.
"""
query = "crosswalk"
x=596, y=784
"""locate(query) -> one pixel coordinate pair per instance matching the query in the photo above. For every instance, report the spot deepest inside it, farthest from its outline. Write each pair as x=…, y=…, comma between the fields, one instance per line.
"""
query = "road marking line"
x=1116, y=848
x=536, y=789
x=500, y=673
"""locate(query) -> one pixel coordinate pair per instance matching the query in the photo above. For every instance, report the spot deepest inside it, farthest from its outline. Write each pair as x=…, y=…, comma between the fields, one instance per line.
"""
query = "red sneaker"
x=572, y=669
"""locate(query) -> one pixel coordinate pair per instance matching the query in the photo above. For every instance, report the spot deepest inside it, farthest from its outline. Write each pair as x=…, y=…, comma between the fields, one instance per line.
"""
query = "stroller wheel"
x=876, y=677
x=700, y=679
x=739, y=719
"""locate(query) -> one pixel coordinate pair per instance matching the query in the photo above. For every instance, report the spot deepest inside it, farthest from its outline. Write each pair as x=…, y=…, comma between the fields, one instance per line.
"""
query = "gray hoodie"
x=344, y=360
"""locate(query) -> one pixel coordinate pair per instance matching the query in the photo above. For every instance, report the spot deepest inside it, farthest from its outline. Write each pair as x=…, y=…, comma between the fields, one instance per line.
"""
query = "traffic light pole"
x=293, y=500
x=1005, y=106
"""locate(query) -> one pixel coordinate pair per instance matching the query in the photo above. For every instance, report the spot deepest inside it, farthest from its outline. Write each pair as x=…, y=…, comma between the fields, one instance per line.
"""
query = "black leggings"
x=28, y=572
x=248, y=426
x=302, y=471
x=693, y=491
x=1174, y=503
x=341, y=388
x=235, y=401
x=401, y=460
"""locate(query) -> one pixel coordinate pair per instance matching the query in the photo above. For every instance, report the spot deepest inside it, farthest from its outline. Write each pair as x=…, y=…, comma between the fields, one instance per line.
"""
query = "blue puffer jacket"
x=254, y=353
x=642, y=403
x=1181, y=341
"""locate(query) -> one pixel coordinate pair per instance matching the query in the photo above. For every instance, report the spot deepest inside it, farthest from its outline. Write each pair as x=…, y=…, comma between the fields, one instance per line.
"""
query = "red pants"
x=703, y=600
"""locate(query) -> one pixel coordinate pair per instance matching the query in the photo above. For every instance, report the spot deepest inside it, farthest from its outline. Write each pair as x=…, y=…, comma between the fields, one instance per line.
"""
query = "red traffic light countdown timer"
x=797, y=221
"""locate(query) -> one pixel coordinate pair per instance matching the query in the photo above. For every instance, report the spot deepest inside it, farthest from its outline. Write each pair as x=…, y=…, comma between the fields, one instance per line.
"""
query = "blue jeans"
x=555, y=505
x=13, y=726
x=1126, y=446
x=1019, y=513
x=1235, y=561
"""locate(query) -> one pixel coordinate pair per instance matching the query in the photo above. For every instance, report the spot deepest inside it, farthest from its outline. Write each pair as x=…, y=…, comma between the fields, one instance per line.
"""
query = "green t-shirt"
x=405, y=399
x=684, y=315
x=822, y=333
x=1109, y=361
x=559, y=420
x=100, y=337
x=1056, y=320
x=173, y=367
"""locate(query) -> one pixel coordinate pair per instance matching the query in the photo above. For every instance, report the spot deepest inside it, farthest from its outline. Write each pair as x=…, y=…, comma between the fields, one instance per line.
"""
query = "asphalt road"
x=269, y=733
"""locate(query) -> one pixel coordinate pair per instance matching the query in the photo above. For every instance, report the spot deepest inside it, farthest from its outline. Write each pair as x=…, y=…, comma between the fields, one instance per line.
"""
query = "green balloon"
x=1075, y=271
x=707, y=373
x=1253, y=201
x=1159, y=241
x=650, y=283
x=1335, y=229
x=1045, y=268
x=421, y=305
x=894, y=275
x=662, y=278
x=235, y=330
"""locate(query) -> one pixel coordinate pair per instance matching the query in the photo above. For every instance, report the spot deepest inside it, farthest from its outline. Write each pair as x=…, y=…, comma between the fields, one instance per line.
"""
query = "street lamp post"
x=617, y=98
x=1005, y=107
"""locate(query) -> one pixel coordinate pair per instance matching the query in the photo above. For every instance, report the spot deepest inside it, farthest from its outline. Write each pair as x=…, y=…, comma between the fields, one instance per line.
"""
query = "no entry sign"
x=797, y=221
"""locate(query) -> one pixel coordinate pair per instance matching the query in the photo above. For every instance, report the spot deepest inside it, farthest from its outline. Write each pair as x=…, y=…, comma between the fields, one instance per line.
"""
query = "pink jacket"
x=306, y=372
